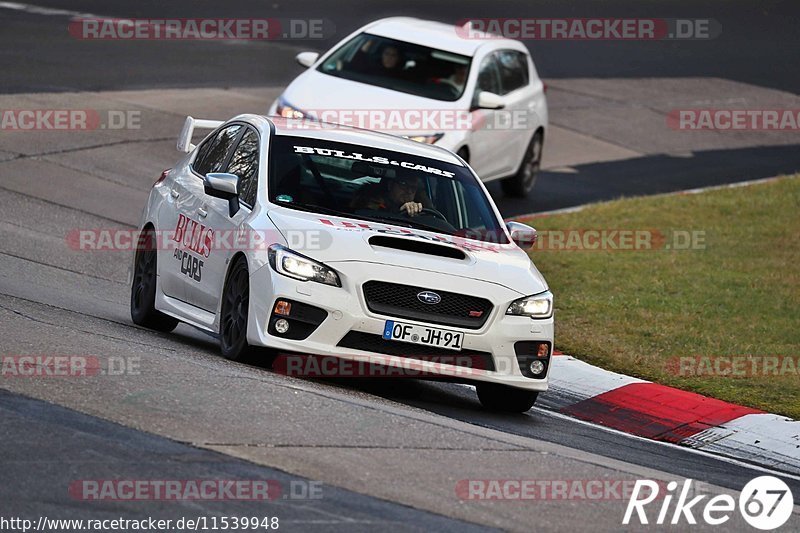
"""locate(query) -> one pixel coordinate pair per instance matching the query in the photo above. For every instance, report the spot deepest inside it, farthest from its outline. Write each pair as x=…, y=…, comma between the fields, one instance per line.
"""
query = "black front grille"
x=401, y=301
x=358, y=340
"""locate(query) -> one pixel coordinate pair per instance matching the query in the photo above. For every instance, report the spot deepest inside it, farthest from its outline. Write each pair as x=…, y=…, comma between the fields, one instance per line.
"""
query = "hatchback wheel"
x=143, y=288
x=235, y=303
x=521, y=183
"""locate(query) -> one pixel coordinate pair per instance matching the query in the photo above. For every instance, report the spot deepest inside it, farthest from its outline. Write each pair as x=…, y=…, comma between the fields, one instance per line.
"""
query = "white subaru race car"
x=334, y=241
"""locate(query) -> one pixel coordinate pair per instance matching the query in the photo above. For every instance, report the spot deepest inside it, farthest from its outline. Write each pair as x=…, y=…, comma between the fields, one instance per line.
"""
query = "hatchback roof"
x=447, y=37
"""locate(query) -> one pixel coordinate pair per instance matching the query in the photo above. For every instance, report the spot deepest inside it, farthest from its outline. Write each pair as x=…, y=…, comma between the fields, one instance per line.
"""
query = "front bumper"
x=347, y=312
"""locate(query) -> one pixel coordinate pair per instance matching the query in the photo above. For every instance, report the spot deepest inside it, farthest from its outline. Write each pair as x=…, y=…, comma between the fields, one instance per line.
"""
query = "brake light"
x=162, y=177
x=544, y=87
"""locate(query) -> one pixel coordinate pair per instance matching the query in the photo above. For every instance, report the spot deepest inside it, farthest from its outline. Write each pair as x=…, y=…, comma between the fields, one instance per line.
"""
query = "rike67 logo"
x=765, y=503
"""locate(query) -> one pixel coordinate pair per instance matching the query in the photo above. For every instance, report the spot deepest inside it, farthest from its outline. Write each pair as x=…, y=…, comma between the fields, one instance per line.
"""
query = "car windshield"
x=402, y=66
x=371, y=184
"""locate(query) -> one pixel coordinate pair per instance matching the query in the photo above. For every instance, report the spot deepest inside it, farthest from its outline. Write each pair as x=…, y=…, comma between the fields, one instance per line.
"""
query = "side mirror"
x=225, y=186
x=306, y=59
x=487, y=100
x=522, y=234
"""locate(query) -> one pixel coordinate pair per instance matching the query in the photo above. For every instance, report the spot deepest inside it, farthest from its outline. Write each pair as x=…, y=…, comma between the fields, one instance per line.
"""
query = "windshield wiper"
x=328, y=211
x=314, y=209
x=406, y=223
x=411, y=223
x=429, y=227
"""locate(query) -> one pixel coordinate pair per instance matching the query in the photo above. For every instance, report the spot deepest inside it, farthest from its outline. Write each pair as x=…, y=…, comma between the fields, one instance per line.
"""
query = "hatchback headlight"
x=536, y=306
x=285, y=110
x=426, y=139
x=290, y=263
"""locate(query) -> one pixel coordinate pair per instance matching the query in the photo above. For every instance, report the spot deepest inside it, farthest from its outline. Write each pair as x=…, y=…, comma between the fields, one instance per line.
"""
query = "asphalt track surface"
x=389, y=452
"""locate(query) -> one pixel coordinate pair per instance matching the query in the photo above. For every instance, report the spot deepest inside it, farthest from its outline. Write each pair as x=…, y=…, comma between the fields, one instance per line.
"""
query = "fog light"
x=537, y=367
x=282, y=326
x=282, y=307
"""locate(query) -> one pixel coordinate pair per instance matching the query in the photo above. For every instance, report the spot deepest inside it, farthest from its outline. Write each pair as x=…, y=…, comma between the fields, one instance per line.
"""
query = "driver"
x=457, y=79
x=400, y=194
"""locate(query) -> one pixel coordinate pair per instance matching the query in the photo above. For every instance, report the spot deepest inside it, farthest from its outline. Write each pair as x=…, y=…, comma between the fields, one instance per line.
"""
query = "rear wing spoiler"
x=185, y=138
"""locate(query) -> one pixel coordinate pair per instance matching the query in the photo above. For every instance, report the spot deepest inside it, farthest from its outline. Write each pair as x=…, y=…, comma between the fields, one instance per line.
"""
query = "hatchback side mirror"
x=306, y=59
x=225, y=186
x=522, y=234
x=487, y=100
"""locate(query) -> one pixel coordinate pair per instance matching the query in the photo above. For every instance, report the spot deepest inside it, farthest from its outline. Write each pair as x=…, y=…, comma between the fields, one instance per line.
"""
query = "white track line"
x=48, y=11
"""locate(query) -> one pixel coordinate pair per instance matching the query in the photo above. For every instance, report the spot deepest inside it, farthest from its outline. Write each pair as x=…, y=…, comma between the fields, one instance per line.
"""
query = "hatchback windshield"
x=380, y=186
x=402, y=66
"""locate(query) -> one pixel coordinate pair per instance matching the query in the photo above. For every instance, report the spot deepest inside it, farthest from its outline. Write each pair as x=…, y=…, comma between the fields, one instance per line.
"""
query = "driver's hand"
x=412, y=208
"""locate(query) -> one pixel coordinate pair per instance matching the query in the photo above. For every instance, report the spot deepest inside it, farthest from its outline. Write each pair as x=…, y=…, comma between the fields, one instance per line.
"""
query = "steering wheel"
x=434, y=212
x=428, y=211
x=454, y=91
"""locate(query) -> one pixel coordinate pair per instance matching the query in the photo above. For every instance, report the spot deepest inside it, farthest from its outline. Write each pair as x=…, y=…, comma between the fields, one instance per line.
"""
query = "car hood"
x=315, y=93
x=333, y=240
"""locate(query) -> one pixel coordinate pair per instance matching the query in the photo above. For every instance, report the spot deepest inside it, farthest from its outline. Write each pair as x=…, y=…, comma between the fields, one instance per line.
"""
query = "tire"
x=234, y=313
x=143, y=288
x=463, y=153
x=521, y=183
x=506, y=399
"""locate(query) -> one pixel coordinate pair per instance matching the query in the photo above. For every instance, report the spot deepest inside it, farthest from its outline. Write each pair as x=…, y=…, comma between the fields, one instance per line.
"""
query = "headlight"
x=289, y=263
x=427, y=139
x=286, y=111
x=536, y=306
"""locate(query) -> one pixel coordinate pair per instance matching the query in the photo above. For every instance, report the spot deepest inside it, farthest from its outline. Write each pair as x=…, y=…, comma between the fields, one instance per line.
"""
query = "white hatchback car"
x=475, y=94
x=346, y=243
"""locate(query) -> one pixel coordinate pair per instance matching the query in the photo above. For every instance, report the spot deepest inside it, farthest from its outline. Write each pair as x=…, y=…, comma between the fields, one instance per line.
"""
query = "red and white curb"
x=666, y=414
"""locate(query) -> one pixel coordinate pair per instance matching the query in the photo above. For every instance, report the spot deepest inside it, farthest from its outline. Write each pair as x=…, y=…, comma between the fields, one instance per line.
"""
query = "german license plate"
x=414, y=334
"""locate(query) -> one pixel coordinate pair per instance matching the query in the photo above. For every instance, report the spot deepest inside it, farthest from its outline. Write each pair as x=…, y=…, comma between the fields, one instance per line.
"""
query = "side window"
x=212, y=154
x=488, y=76
x=513, y=70
x=244, y=164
